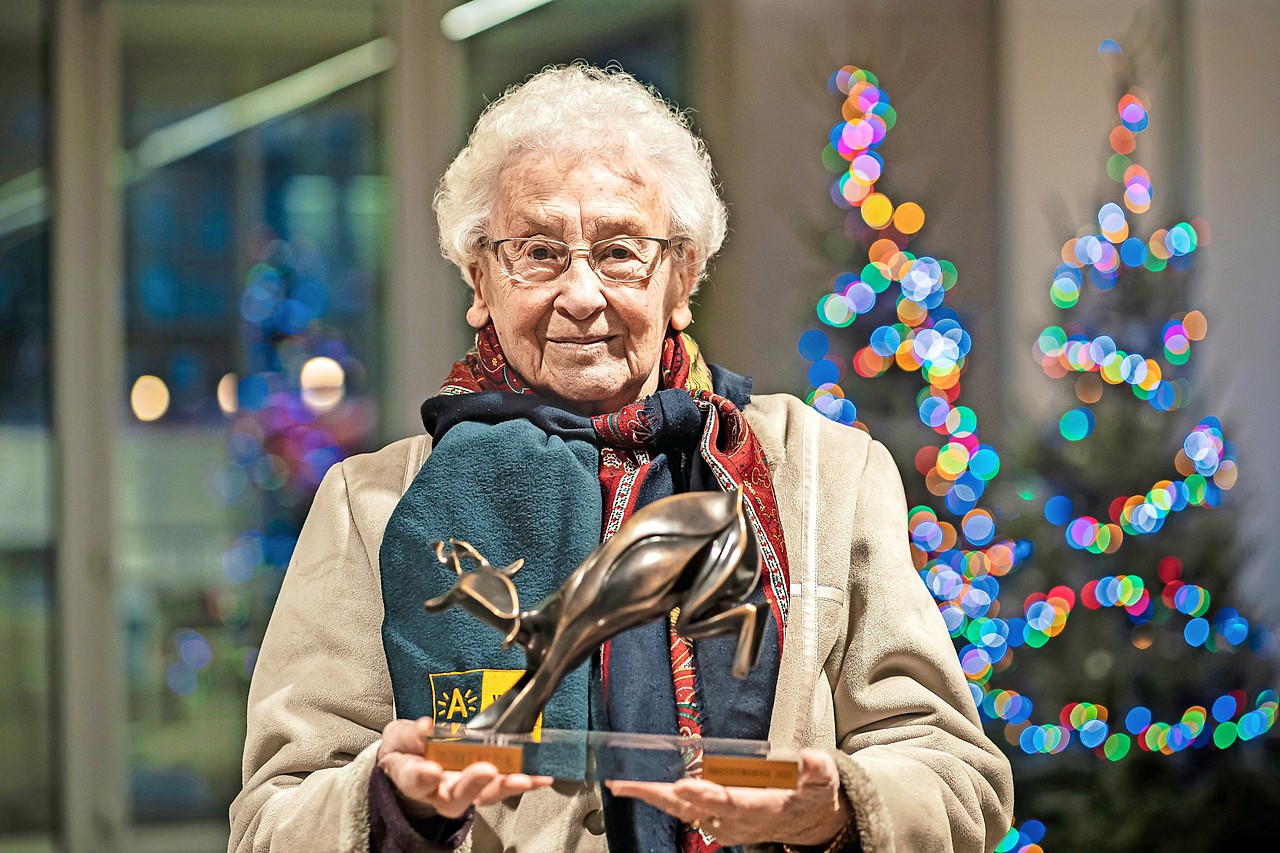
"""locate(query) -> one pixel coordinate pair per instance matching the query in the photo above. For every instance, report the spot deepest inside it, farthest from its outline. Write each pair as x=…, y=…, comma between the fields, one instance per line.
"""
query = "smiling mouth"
x=579, y=342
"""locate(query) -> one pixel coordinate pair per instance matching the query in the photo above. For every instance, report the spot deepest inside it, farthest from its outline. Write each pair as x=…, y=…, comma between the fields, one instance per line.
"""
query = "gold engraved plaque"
x=457, y=755
x=750, y=772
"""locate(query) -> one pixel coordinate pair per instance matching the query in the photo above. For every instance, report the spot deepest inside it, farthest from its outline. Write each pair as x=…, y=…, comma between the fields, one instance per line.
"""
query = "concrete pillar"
x=88, y=344
x=425, y=297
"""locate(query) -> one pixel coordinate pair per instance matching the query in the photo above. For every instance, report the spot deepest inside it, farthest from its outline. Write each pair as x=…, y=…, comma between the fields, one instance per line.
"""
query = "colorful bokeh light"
x=958, y=550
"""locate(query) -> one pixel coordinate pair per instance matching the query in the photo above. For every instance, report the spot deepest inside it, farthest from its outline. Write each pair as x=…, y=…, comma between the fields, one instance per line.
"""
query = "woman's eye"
x=540, y=253
x=618, y=253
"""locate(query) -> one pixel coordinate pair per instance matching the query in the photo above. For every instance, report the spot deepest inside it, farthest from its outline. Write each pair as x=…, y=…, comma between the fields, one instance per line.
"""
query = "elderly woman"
x=582, y=213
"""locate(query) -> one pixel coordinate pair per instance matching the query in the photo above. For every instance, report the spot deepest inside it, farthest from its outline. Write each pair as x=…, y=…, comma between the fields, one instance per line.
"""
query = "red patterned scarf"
x=728, y=446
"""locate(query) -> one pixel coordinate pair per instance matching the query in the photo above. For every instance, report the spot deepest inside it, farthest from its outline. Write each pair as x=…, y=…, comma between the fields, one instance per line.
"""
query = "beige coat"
x=867, y=668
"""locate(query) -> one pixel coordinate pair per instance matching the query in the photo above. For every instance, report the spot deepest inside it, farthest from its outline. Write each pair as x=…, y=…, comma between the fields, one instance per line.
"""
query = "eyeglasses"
x=537, y=260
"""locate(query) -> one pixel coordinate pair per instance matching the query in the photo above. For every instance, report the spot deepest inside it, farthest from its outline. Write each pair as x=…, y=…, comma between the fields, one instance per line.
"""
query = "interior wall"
x=760, y=91
x=1058, y=102
x=1209, y=150
x=1236, y=65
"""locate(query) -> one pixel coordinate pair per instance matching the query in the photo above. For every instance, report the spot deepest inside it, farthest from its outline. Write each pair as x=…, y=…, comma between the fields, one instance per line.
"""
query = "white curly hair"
x=586, y=111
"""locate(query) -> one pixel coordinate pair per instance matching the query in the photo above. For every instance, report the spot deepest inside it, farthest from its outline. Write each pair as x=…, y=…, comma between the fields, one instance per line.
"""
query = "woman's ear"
x=684, y=276
x=681, y=316
x=478, y=313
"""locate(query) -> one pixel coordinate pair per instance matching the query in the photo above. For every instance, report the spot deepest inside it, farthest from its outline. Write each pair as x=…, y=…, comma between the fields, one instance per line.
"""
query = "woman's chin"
x=593, y=398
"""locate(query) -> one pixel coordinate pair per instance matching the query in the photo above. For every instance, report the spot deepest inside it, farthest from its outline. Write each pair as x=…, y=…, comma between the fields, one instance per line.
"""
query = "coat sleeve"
x=320, y=695
x=913, y=758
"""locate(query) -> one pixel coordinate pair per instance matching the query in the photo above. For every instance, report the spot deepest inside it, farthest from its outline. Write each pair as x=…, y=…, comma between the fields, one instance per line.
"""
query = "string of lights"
x=962, y=558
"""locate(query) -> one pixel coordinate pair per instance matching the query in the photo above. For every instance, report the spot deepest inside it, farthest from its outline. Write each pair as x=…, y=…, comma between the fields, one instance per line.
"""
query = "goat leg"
x=745, y=619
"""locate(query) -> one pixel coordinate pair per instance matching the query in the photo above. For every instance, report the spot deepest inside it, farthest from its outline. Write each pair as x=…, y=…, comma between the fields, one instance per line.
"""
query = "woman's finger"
x=413, y=776
x=498, y=789
x=406, y=736
x=660, y=795
x=519, y=783
x=396, y=737
x=734, y=815
x=817, y=769
x=463, y=789
x=699, y=791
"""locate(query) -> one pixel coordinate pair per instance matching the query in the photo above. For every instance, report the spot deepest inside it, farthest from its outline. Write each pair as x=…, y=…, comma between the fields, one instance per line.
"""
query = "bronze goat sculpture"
x=694, y=551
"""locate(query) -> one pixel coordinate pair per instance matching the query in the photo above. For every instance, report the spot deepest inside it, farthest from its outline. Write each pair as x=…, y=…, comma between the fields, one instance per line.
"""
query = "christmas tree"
x=292, y=418
x=1082, y=575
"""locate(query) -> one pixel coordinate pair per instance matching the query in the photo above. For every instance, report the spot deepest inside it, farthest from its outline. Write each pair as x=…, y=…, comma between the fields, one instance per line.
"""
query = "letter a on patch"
x=456, y=697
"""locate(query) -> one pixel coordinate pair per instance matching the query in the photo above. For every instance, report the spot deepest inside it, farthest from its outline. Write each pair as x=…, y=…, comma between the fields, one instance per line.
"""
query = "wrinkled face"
x=591, y=344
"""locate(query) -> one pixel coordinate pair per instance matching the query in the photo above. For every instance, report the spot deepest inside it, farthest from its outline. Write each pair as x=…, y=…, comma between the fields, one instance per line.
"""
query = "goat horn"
x=447, y=559
x=511, y=635
x=469, y=549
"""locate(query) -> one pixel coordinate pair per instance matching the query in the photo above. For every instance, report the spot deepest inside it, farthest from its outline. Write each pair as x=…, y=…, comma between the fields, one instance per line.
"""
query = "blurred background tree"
x=1100, y=517
x=1181, y=646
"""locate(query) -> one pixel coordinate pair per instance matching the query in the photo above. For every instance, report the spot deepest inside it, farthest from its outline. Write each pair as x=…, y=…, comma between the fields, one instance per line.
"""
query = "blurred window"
x=27, y=792
x=647, y=39
x=254, y=218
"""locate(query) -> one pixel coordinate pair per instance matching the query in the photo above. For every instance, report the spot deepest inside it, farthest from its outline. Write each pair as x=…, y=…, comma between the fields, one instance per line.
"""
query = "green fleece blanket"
x=512, y=491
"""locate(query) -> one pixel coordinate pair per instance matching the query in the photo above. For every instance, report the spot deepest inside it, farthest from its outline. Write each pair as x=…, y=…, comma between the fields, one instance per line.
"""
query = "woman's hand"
x=811, y=814
x=428, y=789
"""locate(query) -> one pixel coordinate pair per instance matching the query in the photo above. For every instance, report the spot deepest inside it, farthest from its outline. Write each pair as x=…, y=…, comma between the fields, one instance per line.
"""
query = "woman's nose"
x=581, y=290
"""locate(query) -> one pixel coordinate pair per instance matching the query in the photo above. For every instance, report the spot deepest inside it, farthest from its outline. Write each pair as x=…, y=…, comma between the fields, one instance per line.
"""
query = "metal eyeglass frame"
x=663, y=243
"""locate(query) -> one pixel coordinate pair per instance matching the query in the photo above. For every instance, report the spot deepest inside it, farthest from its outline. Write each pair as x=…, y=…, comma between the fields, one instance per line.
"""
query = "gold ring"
x=696, y=823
